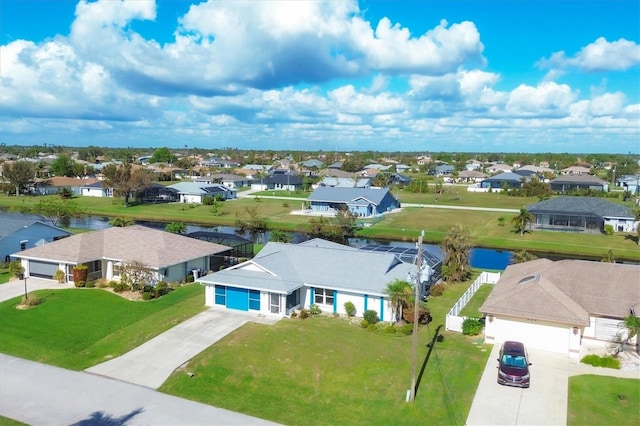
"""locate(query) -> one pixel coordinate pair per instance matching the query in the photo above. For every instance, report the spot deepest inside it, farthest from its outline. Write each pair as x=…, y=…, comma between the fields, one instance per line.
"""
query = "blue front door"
x=238, y=298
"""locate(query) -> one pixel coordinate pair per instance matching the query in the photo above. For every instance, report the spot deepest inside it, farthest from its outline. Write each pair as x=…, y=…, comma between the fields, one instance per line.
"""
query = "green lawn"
x=601, y=400
x=78, y=328
x=4, y=275
x=471, y=309
x=325, y=370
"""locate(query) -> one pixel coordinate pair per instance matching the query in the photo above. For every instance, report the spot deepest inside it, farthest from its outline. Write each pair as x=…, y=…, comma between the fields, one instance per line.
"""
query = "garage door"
x=534, y=335
x=611, y=330
x=42, y=269
x=237, y=298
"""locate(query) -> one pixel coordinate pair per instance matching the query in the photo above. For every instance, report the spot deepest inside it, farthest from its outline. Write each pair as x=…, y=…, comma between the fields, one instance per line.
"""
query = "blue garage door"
x=238, y=298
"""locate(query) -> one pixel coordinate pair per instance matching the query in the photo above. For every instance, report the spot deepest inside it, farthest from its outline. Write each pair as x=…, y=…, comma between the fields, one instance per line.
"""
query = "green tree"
x=278, y=236
x=522, y=220
x=20, y=174
x=64, y=165
x=59, y=211
x=457, y=251
x=632, y=324
x=121, y=222
x=163, y=155
x=124, y=181
x=338, y=229
x=176, y=228
x=400, y=295
x=522, y=256
x=254, y=224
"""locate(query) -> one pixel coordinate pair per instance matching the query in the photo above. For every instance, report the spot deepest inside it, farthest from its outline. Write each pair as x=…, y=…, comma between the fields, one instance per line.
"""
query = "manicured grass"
x=326, y=370
x=5, y=421
x=601, y=400
x=4, y=275
x=78, y=328
x=471, y=309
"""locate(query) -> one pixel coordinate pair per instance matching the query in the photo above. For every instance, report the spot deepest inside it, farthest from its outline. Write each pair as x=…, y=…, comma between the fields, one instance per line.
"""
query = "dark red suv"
x=513, y=365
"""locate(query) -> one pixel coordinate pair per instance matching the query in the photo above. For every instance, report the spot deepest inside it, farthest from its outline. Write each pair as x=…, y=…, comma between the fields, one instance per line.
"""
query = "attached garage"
x=240, y=299
x=534, y=334
x=42, y=269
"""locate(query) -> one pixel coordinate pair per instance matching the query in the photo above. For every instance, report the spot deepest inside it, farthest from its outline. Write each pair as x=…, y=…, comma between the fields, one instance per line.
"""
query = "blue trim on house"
x=312, y=296
x=382, y=309
x=335, y=301
x=366, y=301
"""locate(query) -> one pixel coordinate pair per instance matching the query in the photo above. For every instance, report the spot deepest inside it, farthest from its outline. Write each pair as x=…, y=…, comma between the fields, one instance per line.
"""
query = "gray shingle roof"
x=282, y=268
x=346, y=195
x=578, y=179
x=565, y=291
x=582, y=205
x=151, y=247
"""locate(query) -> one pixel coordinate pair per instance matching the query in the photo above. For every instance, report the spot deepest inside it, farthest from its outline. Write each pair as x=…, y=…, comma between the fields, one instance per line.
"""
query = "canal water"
x=481, y=258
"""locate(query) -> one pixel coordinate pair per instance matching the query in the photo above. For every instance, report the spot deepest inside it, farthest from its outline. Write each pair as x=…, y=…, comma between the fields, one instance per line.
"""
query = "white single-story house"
x=286, y=277
x=170, y=256
x=96, y=189
x=230, y=180
x=21, y=232
x=363, y=202
x=195, y=192
x=558, y=306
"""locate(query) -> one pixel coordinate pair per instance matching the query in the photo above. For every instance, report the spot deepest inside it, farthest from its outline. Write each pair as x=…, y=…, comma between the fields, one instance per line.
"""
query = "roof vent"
x=525, y=280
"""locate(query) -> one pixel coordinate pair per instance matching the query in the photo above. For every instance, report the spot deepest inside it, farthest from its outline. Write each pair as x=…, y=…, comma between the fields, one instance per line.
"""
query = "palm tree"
x=121, y=222
x=400, y=295
x=457, y=254
x=522, y=256
x=522, y=220
x=632, y=323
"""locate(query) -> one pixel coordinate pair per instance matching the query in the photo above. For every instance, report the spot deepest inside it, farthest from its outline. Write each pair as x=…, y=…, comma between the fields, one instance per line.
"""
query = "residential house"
x=283, y=278
x=472, y=176
x=20, y=232
x=423, y=160
x=55, y=185
x=403, y=168
x=229, y=180
x=509, y=180
x=336, y=173
x=217, y=162
x=576, y=170
x=493, y=168
x=473, y=165
x=582, y=214
x=195, y=192
x=399, y=179
x=313, y=163
x=630, y=183
x=559, y=306
x=96, y=189
x=363, y=202
x=568, y=183
x=278, y=182
x=338, y=182
x=444, y=170
x=169, y=257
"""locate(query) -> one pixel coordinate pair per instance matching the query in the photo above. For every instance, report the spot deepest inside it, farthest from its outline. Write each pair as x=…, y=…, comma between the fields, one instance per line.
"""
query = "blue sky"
x=418, y=75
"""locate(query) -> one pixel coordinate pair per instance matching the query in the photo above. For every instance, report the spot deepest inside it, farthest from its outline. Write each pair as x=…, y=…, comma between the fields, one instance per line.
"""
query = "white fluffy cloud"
x=601, y=55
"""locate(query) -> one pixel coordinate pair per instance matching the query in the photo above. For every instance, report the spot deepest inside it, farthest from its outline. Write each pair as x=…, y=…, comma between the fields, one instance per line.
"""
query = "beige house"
x=559, y=306
x=171, y=257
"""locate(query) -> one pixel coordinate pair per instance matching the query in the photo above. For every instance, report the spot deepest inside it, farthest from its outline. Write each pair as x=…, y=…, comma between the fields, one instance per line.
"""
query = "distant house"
x=336, y=165
x=217, y=162
x=508, y=179
x=399, y=179
x=403, y=168
x=629, y=183
x=581, y=214
x=344, y=182
x=21, y=232
x=281, y=182
x=286, y=277
x=363, y=202
x=312, y=163
x=445, y=170
x=568, y=183
x=230, y=180
x=96, y=189
x=55, y=185
x=195, y=192
x=561, y=306
x=170, y=257
x=492, y=168
x=576, y=170
x=471, y=176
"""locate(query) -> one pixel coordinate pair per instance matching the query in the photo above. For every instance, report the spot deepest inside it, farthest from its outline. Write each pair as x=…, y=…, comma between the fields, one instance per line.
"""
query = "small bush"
x=436, y=290
x=390, y=329
x=407, y=329
x=371, y=316
x=31, y=300
x=15, y=268
x=606, y=361
x=59, y=276
x=314, y=310
x=80, y=284
x=608, y=229
x=90, y=284
x=294, y=314
x=350, y=308
x=146, y=295
x=304, y=314
x=472, y=326
x=119, y=287
x=364, y=323
x=190, y=278
x=372, y=327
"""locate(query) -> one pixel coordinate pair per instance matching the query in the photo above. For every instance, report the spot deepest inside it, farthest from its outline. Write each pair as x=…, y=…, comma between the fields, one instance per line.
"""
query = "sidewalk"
x=39, y=394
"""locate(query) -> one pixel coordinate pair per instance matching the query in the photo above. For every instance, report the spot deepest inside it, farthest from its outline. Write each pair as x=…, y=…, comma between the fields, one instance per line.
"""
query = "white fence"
x=453, y=321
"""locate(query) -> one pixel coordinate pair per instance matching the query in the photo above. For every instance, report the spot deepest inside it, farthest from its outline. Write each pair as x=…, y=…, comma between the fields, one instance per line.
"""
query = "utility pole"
x=412, y=394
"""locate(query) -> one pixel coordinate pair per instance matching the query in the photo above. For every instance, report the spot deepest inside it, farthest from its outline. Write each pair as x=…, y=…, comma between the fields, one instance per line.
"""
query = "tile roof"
x=151, y=247
x=582, y=205
x=566, y=291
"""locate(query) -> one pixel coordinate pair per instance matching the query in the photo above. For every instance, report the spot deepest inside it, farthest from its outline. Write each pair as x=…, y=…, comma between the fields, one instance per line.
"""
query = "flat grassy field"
x=326, y=370
x=78, y=328
x=601, y=400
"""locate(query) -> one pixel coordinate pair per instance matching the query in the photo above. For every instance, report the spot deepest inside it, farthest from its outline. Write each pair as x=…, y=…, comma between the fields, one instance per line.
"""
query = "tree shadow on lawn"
x=437, y=337
x=99, y=418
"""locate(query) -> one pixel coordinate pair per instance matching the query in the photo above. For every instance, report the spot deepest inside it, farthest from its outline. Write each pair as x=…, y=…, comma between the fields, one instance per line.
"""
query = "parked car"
x=513, y=365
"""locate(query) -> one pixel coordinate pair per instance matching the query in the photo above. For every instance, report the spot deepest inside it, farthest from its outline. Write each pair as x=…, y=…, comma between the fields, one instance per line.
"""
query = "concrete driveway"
x=15, y=287
x=546, y=401
x=151, y=363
